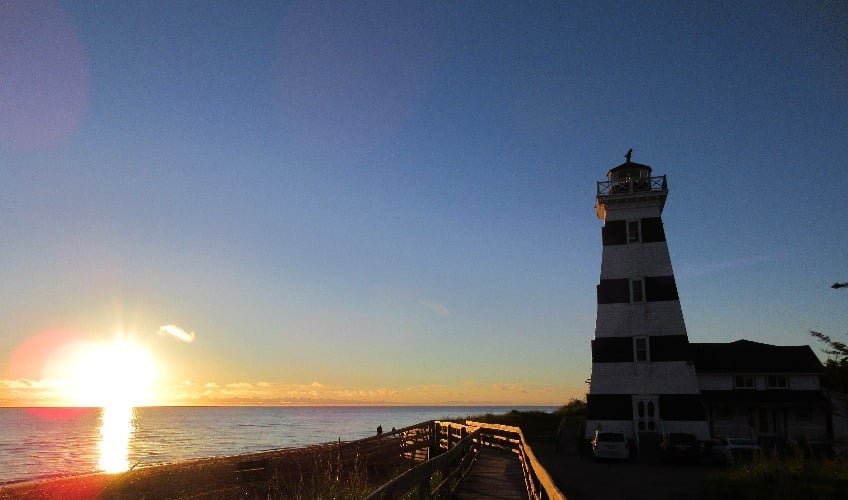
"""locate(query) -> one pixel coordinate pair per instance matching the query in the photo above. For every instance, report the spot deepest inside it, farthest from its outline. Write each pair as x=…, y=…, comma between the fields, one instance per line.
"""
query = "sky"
x=393, y=202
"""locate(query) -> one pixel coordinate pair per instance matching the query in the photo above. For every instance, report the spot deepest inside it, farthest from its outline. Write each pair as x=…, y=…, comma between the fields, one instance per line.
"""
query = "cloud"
x=28, y=392
x=436, y=307
x=239, y=385
x=176, y=332
x=316, y=393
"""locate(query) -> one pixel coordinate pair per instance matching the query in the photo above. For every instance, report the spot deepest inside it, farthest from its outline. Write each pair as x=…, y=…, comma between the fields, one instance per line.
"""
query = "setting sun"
x=120, y=373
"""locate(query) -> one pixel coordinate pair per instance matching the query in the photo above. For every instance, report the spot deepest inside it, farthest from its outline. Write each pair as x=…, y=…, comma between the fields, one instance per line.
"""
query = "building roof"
x=629, y=165
x=745, y=356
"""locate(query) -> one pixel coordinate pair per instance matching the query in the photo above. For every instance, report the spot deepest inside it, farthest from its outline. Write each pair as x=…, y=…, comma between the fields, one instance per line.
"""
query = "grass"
x=536, y=425
x=774, y=476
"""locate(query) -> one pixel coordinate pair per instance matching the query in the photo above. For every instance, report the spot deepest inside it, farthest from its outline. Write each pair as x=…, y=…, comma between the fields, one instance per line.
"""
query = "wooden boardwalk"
x=496, y=474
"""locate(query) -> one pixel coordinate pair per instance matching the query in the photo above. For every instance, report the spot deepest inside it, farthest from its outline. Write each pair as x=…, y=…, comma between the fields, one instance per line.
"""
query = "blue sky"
x=393, y=202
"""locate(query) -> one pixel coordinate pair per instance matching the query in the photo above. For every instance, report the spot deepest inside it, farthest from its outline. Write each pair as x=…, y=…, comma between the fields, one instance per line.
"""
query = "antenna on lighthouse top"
x=629, y=153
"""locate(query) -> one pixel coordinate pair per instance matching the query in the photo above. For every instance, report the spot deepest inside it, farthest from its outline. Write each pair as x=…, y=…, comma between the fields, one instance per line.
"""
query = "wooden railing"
x=630, y=186
x=455, y=448
x=536, y=478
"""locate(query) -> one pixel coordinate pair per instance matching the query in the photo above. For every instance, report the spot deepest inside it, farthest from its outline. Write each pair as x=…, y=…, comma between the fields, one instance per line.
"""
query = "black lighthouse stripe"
x=617, y=290
x=621, y=350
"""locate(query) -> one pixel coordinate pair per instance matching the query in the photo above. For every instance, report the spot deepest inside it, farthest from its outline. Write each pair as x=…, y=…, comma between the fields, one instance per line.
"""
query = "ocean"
x=45, y=442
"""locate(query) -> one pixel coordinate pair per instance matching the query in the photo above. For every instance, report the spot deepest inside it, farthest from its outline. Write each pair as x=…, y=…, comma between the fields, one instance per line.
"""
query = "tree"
x=836, y=368
x=574, y=407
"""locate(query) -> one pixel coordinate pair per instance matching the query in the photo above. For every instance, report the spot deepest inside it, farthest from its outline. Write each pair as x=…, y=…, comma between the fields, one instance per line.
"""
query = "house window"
x=723, y=412
x=802, y=414
x=633, y=231
x=640, y=349
x=743, y=382
x=776, y=382
x=637, y=291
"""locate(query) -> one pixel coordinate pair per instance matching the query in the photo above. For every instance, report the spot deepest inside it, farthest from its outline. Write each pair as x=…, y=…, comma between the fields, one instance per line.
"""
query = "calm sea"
x=44, y=442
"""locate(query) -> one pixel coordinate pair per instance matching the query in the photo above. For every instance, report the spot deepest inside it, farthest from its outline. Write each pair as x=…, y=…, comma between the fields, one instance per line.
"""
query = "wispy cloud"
x=317, y=393
x=27, y=392
x=436, y=307
x=176, y=332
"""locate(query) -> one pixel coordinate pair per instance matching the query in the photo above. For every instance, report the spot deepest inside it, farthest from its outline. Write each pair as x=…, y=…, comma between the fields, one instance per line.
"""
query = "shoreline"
x=279, y=473
x=192, y=477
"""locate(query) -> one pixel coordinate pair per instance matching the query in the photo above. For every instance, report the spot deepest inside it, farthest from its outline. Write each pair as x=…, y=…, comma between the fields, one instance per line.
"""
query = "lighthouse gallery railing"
x=627, y=186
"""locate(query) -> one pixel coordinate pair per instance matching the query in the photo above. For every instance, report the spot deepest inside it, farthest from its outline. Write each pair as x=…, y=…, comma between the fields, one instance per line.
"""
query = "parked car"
x=610, y=445
x=680, y=446
x=729, y=450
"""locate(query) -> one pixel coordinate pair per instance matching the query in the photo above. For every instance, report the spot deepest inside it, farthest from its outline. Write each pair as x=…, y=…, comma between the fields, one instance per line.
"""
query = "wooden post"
x=434, y=441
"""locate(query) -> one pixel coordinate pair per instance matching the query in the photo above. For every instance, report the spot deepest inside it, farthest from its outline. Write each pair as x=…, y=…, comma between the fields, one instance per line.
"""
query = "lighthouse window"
x=636, y=291
x=633, y=231
x=640, y=348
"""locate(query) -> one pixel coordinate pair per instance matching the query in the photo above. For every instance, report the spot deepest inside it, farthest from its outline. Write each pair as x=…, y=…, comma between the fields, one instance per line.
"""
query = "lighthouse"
x=643, y=378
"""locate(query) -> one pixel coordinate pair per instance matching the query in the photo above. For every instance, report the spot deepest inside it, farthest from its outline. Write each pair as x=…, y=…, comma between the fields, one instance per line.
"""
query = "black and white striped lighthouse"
x=643, y=381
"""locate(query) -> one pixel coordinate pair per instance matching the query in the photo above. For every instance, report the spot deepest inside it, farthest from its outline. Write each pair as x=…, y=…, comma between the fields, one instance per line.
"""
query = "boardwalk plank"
x=496, y=475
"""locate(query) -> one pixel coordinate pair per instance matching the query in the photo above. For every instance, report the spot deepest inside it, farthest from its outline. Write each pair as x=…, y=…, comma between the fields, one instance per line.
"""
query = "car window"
x=610, y=436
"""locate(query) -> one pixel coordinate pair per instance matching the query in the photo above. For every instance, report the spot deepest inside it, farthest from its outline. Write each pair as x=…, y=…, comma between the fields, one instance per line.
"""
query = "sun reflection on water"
x=116, y=427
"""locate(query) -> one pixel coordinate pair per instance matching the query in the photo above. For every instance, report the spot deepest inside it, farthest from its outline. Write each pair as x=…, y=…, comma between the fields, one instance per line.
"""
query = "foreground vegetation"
x=536, y=425
x=772, y=476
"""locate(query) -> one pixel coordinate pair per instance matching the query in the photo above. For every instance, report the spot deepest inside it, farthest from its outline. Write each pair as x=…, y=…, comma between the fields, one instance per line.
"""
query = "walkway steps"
x=495, y=475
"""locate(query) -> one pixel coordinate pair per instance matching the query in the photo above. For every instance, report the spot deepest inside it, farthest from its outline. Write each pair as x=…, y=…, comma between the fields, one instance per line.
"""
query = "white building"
x=643, y=379
x=769, y=392
x=647, y=379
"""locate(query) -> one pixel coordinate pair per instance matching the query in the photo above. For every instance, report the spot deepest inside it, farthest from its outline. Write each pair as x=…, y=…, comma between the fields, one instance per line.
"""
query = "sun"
x=120, y=373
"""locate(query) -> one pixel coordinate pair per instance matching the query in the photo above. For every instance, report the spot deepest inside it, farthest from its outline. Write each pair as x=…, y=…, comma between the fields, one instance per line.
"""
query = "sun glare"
x=116, y=427
x=117, y=374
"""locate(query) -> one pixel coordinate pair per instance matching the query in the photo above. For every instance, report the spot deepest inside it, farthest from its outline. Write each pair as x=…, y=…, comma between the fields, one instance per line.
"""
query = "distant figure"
x=394, y=430
x=629, y=153
x=379, y=430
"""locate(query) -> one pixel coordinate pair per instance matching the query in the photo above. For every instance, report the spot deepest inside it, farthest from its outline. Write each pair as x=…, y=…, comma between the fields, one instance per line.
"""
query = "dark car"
x=729, y=450
x=680, y=446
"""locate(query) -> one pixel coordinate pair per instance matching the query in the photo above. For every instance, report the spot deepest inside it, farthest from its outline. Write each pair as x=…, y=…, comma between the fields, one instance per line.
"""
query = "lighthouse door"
x=646, y=418
x=646, y=413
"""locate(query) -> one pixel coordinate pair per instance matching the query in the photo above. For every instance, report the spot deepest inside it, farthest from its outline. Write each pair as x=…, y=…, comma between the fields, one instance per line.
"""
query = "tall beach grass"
x=797, y=474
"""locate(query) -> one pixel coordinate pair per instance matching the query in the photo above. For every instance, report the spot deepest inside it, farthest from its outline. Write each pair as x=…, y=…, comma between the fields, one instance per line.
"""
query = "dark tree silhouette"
x=836, y=368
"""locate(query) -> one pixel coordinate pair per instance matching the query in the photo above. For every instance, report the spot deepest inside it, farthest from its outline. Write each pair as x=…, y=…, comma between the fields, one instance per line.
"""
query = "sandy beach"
x=288, y=473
